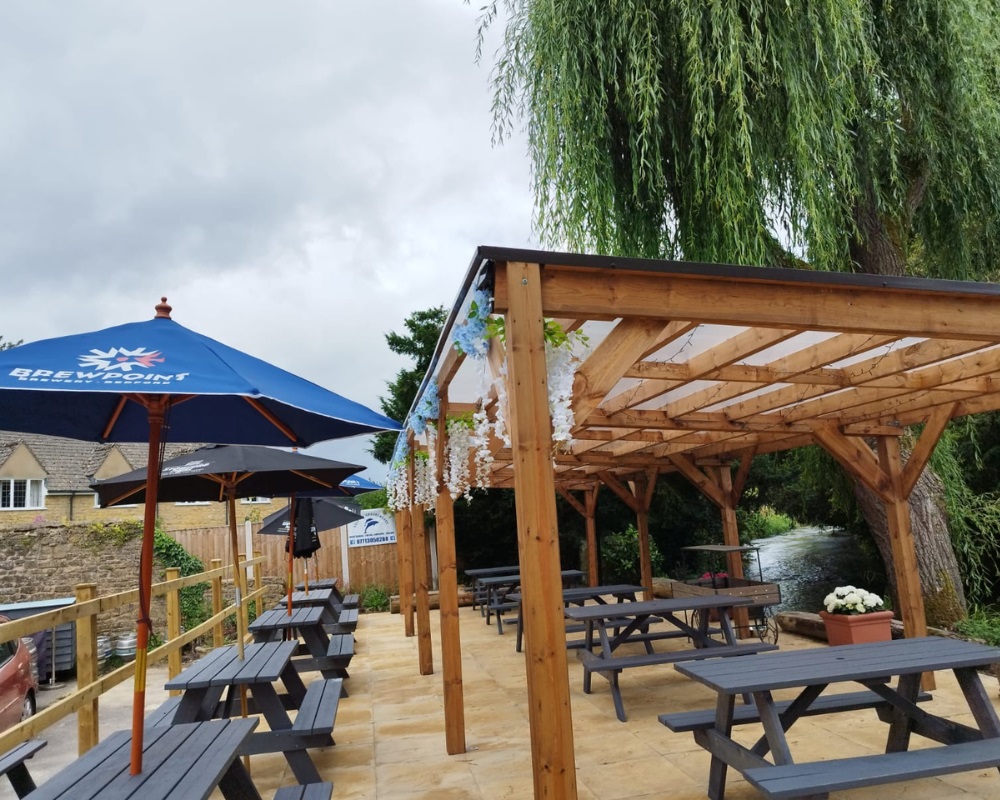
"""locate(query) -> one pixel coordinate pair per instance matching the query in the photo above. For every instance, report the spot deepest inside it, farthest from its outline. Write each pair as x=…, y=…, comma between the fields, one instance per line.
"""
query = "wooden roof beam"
x=606, y=294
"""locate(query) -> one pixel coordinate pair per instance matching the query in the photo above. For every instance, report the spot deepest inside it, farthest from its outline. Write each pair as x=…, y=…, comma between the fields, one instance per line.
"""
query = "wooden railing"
x=90, y=685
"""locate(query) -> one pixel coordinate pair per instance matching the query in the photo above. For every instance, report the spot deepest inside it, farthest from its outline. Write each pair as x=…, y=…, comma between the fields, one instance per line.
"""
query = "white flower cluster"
x=457, y=466
x=481, y=441
x=398, y=489
x=851, y=600
x=561, y=362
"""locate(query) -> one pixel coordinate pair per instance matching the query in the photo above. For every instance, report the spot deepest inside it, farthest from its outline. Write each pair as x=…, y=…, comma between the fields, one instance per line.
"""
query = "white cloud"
x=297, y=178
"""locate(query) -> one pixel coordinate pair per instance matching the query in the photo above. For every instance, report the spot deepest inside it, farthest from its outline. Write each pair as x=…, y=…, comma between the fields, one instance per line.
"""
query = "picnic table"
x=963, y=747
x=578, y=596
x=221, y=671
x=328, y=654
x=338, y=599
x=478, y=592
x=179, y=762
x=499, y=587
x=618, y=624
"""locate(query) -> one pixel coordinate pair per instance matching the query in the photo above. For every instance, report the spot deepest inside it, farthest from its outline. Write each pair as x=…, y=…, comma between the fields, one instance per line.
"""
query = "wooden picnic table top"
x=279, y=618
x=302, y=597
x=572, y=594
x=515, y=577
x=320, y=583
x=180, y=762
x=483, y=572
x=664, y=605
x=791, y=668
x=261, y=663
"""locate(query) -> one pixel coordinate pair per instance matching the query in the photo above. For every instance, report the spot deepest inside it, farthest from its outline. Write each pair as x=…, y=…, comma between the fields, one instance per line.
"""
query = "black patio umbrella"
x=225, y=472
x=312, y=515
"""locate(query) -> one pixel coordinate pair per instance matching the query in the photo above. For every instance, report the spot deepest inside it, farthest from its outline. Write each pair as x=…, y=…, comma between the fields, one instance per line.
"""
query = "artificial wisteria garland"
x=397, y=489
x=457, y=449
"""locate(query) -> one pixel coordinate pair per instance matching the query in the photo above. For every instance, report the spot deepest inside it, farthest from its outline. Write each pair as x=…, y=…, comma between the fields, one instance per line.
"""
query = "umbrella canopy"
x=144, y=381
x=358, y=485
x=324, y=513
x=217, y=471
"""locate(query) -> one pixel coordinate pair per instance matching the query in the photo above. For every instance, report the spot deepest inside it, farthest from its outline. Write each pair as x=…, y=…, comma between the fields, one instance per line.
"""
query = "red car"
x=18, y=683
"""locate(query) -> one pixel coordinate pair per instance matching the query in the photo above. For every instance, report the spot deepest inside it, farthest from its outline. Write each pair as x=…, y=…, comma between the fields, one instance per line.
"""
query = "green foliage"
x=374, y=597
x=620, y=557
x=376, y=499
x=720, y=131
x=973, y=520
x=115, y=534
x=762, y=523
x=423, y=331
x=982, y=625
x=194, y=609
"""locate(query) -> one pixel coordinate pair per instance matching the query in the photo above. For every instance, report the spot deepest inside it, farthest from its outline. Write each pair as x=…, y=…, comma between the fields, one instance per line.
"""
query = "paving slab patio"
x=390, y=742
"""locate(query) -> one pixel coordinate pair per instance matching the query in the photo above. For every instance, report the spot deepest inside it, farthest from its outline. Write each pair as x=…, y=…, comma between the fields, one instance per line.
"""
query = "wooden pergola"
x=693, y=368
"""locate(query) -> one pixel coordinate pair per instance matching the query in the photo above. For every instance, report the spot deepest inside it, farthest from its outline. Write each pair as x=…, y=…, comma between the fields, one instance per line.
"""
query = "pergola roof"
x=705, y=363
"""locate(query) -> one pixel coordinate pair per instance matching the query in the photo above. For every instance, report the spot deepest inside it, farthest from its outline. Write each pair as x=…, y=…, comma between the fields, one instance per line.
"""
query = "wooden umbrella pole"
x=157, y=412
x=238, y=587
x=291, y=548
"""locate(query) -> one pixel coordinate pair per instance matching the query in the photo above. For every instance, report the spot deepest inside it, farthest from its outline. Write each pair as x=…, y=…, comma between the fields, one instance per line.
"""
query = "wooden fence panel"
x=366, y=565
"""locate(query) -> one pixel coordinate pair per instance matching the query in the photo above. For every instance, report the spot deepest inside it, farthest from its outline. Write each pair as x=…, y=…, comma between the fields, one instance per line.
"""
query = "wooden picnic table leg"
x=236, y=783
x=901, y=725
x=724, y=707
x=269, y=705
x=21, y=780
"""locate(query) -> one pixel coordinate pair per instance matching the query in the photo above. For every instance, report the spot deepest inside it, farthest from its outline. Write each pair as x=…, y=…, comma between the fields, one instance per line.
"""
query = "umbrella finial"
x=163, y=309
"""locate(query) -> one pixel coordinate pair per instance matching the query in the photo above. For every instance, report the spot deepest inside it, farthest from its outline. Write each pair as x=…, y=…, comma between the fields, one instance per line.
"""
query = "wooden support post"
x=731, y=537
x=258, y=582
x=173, y=625
x=593, y=549
x=549, y=713
x=451, y=641
x=404, y=547
x=217, y=637
x=422, y=579
x=88, y=717
x=644, y=495
x=241, y=576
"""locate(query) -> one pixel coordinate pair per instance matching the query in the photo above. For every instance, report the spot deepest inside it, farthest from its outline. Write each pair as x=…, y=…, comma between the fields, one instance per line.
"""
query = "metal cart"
x=761, y=614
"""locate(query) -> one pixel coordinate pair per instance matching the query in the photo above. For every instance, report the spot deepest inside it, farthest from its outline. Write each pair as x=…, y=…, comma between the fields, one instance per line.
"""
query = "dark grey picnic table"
x=478, y=591
x=617, y=624
x=12, y=765
x=499, y=587
x=964, y=747
x=179, y=762
x=262, y=666
x=579, y=596
x=327, y=655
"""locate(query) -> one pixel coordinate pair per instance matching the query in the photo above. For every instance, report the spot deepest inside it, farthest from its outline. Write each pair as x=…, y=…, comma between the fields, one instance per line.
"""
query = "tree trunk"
x=876, y=251
x=940, y=580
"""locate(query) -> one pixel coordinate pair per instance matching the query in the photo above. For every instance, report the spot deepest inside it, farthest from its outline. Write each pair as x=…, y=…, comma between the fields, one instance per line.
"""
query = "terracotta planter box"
x=857, y=628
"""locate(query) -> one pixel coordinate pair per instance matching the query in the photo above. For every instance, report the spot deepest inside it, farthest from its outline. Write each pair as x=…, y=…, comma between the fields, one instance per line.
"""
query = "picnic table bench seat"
x=312, y=727
x=703, y=719
x=347, y=621
x=593, y=662
x=337, y=659
x=306, y=791
x=820, y=777
x=12, y=765
x=351, y=600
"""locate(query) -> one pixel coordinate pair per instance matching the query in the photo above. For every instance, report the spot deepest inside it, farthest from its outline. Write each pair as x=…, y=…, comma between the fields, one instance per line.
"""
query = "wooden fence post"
x=87, y=726
x=173, y=626
x=217, y=638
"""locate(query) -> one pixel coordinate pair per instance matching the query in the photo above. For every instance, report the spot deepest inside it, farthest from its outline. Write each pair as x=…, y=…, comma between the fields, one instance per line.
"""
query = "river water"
x=808, y=563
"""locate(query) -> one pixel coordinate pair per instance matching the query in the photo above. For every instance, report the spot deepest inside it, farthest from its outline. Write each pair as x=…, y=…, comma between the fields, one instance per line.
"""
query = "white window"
x=254, y=500
x=194, y=503
x=16, y=493
x=97, y=503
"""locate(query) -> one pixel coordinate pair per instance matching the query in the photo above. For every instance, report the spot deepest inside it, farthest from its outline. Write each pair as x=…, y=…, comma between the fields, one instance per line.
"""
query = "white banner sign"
x=377, y=527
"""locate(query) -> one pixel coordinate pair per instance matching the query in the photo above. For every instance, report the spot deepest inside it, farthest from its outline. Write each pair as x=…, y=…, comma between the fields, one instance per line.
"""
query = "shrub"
x=620, y=557
x=374, y=597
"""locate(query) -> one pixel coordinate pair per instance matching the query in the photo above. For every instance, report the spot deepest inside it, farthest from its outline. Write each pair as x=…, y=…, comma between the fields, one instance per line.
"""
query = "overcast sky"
x=296, y=178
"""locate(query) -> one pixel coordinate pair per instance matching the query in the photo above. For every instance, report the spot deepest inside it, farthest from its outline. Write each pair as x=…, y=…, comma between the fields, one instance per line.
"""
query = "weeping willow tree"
x=850, y=135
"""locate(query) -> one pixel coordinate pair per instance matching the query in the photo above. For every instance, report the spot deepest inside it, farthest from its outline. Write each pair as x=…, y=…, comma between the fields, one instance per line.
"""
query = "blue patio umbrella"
x=355, y=485
x=155, y=381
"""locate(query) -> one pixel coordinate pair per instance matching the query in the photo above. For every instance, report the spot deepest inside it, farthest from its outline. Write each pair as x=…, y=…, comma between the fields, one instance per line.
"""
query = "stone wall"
x=47, y=561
